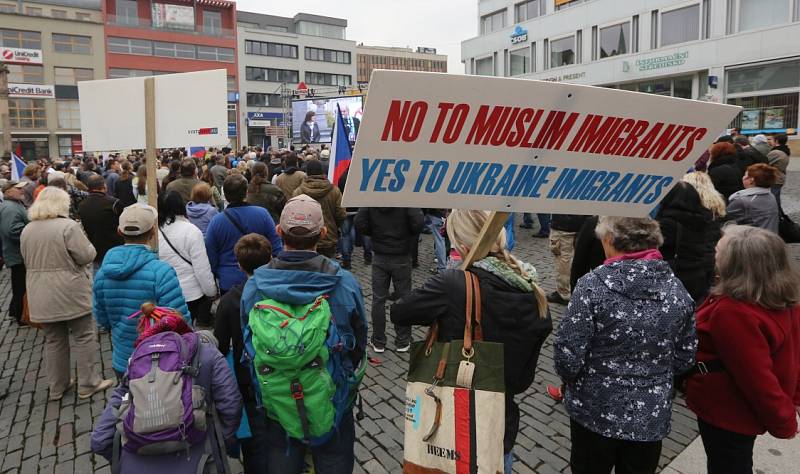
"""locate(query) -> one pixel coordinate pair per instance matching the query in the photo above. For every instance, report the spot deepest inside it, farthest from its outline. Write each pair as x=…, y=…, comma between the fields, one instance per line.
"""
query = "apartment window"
x=533, y=57
x=594, y=43
x=174, y=50
x=320, y=29
x=562, y=4
x=327, y=55
x=232, y=86
x=493, y=22
x=25, y=74
x=33, y=11
x=484, y=67
x=562, y=51
x=8, y=8
x=579, y=46
x=130, y=46
x=270, y=49
x=69, y=114
x=119, y=73
x=635, y=34
x=271, y=75
x=212, y=22
x=706, y=33
x=615, y=40
x=326, y=79
x=27, y=113
x=654, y=29
x=58, y=13
x=127, y=12
x=681, y=25
x=527, y=10
x=520, y=61
x=264, y=100
x=755, y=14
x=72, y=44
x=212, y=53
x=20, y=39
x=70, y=76
x=83, y=16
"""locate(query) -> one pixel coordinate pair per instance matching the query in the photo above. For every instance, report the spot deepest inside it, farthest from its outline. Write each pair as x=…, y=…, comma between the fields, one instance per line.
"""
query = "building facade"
x=276, y=54
x=151, y=37
x=49, y=46
x=401, y=59
x=742, y=52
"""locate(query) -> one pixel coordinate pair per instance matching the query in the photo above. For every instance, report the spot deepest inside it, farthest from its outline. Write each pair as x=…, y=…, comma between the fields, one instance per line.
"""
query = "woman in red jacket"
x=748, y=362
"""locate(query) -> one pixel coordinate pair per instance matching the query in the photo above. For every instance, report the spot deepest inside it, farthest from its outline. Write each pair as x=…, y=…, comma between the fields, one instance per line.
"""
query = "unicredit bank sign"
x=32, y=91
x=20, y=56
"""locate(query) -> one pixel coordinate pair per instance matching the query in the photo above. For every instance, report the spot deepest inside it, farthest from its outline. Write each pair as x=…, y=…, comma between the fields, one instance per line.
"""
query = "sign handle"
x=150, y=146
x=486, y=239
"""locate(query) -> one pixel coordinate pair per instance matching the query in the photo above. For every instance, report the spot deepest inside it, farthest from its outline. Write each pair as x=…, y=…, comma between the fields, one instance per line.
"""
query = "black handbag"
x=788, y=230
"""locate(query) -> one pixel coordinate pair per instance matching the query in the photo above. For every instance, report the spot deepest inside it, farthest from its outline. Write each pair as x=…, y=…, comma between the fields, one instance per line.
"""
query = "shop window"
x=493, y=22
x=562, y=51
x=64, y=146
x=70, y=76
x=775, y=76
x=72, y=44
x=615, y=40
x=25, y=74
x=520, y=61
x=767, y=113
x=20, y=39
x=484, y=67
x=69, y=114
x=680, y=26
x=27, y=113
x=682, y=87
x=754, y=14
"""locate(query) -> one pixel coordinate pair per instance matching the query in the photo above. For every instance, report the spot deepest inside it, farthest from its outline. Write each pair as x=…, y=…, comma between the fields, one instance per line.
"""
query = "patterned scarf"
x=503, y=270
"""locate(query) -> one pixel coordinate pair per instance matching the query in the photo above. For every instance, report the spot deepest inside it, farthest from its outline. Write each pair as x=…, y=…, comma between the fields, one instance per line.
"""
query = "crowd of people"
x=700, y=298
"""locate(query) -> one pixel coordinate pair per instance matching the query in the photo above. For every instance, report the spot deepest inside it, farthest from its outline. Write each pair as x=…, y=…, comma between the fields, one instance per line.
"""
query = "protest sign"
x=189, y=108
x=468, y=142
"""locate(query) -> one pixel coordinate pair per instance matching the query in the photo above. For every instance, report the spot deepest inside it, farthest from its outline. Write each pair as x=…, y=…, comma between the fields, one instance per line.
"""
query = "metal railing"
x=147, y=24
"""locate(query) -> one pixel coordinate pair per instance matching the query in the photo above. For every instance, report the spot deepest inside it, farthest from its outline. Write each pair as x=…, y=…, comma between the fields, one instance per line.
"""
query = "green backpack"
x=291, y=357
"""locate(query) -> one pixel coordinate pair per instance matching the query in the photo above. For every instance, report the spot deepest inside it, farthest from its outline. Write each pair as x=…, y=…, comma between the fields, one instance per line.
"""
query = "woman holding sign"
x=514, y=310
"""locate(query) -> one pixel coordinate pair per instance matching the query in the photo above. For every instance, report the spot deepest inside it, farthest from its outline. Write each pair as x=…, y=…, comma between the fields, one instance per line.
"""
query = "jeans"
x=544, y=223
x=527, y=220
x=287, y=456
x=349, y=238
x=200, y=311
x=508, y=462
x=17, y=291
x=435, y=224
x=593, y=453
x=254, y=456
x=727, y=452
x=385, y=269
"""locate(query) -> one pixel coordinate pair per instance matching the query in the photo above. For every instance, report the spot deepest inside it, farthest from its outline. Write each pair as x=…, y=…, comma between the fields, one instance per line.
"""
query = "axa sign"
x=20, y=56
x=520, y=35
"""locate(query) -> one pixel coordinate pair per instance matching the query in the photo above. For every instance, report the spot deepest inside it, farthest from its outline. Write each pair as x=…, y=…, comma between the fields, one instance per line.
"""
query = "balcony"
x=147, y=24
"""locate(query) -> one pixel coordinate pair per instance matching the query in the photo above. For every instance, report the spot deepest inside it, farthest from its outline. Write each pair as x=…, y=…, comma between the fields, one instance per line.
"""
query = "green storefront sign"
x=660, y=62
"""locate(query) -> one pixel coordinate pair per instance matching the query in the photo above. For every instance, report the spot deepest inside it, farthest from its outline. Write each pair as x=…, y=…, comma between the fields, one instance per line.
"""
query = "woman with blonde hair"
x=57, y=256
x=745, y=382
x=709, y=196
x=514, y=309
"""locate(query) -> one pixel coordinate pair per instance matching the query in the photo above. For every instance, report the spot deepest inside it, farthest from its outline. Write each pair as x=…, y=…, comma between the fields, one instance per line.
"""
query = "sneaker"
x=99, y=388
x=405, y=348
x=377, y=348
x=554, y=297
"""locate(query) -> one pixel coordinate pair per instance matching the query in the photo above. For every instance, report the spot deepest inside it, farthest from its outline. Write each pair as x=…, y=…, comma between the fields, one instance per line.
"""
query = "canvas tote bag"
x=455, y=400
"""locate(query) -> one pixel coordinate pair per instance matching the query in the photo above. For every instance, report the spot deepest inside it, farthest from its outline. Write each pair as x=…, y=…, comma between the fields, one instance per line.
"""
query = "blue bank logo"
x=519, y=35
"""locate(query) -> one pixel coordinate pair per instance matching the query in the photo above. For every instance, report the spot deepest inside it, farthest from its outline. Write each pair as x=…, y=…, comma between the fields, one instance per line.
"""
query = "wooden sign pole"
x=486, y=239
x=150, y=146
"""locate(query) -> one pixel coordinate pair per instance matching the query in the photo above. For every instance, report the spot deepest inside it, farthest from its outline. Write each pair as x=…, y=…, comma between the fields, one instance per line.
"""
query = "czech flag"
x=197, y=151
x=341, y=153
x=17, y=167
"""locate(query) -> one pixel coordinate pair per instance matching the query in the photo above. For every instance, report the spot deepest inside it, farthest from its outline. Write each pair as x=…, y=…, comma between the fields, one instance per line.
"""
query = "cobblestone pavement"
x=41, y=436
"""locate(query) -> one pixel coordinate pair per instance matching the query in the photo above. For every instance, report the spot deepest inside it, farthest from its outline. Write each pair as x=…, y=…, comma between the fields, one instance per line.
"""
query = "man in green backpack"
x=305, y=335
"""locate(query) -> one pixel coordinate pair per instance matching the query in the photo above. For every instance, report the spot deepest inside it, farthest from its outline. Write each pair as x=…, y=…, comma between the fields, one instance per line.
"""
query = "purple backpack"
x=164, y=411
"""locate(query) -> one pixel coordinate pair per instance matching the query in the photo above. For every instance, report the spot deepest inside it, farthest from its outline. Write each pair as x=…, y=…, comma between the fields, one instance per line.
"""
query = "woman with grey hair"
x=628, y=330
x=746, y=379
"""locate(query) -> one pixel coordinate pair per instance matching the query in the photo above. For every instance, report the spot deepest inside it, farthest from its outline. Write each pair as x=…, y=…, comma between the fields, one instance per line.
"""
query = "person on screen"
x=351, y=124
x=309, y=130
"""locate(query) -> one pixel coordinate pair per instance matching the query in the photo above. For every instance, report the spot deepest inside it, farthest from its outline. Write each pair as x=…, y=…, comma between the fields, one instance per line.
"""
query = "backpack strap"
x=297, y=393
x=173, y=247
x=233, y=221
x=116, y=468
x=476, y=291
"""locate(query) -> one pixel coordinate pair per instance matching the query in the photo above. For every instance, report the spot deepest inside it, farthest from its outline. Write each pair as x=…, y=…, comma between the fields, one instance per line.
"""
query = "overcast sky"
x=440, y=24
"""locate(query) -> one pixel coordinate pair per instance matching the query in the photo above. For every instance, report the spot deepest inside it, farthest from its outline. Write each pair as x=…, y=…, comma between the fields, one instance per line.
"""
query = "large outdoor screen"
x=313, y=119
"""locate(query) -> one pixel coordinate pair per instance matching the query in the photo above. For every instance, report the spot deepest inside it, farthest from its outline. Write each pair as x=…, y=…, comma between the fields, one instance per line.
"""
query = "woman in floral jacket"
x=628, y=330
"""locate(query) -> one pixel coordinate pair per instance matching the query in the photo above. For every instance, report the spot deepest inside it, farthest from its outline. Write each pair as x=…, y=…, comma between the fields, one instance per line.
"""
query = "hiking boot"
x=554, y=297
x=404, y=348
x=98, y=388
x=377, y=348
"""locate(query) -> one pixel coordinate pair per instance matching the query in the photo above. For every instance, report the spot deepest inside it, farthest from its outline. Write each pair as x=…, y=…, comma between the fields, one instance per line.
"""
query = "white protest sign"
x=191, y=108
x=469, y=142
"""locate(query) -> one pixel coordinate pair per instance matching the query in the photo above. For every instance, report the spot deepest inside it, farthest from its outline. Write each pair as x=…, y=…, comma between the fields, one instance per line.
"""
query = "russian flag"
x=17, y=167
x=197, y=151
x=341, y=153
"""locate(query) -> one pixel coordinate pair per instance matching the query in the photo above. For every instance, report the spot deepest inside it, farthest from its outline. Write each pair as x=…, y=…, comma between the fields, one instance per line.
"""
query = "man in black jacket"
x=99, y=215
x=392, y=231
x=563, y=229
